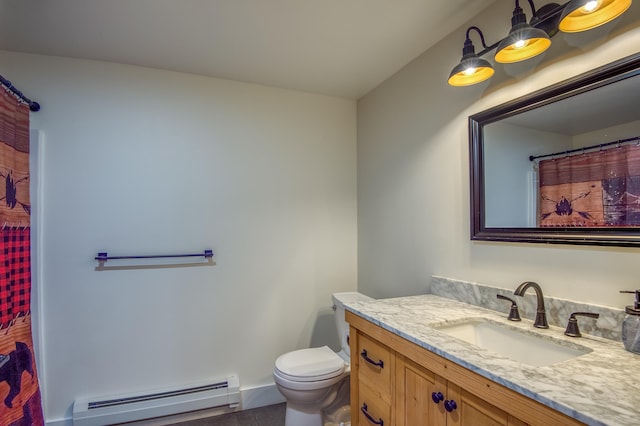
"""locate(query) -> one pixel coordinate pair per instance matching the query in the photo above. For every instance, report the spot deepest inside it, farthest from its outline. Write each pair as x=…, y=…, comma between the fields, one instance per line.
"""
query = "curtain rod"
x=33, y=106
x=571, y=151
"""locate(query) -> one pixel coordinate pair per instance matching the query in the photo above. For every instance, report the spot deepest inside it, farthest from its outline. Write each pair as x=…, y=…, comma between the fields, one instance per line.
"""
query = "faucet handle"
x=514, y=314
x=572, y=327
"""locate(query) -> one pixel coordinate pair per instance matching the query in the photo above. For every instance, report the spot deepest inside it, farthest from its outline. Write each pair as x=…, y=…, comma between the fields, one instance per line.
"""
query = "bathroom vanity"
x=406, y=371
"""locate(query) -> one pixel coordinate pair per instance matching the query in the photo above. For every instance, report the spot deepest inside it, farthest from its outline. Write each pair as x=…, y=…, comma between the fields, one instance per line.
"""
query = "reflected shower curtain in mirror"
x=595, y=189
x=20, y=402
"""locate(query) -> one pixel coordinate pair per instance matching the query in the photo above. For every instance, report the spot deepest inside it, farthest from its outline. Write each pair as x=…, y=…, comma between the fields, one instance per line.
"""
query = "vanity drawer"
x=372, y=410
x=375, y=365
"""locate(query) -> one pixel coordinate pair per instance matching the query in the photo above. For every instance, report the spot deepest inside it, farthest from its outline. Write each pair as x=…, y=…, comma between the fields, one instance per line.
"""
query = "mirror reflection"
x=561, y=164
x=576, y=130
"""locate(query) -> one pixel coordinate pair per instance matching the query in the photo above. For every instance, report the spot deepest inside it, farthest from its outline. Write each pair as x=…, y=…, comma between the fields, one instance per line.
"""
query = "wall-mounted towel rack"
x=104, y=256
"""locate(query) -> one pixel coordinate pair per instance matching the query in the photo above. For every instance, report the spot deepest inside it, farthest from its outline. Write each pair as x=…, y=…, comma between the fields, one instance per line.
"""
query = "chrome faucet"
x=541, y=314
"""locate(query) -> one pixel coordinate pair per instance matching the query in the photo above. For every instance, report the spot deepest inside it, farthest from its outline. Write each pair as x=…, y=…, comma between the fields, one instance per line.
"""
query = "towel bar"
x=103, y=256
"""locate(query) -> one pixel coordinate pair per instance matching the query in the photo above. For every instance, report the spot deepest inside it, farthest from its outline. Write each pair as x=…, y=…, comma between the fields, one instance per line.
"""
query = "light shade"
x=582, y=15
x=471, y=69
x=523, y=42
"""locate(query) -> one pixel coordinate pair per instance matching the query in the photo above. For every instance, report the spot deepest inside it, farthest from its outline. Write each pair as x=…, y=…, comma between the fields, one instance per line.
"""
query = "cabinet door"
x=473, y=411
x=415, y=386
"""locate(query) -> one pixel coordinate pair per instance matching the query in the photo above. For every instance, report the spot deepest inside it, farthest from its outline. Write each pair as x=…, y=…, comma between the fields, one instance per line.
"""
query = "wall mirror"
x=561, y=165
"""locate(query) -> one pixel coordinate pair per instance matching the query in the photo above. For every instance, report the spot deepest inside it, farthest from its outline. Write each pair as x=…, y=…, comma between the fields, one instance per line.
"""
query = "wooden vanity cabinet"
x=418, y=389
x=394, y=384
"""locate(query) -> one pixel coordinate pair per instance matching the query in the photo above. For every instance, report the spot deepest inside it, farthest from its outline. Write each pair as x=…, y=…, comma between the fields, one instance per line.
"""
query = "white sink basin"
x=513, y=343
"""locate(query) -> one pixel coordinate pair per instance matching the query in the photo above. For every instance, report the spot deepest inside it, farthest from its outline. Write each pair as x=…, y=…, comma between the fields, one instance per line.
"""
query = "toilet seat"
x=310, y=365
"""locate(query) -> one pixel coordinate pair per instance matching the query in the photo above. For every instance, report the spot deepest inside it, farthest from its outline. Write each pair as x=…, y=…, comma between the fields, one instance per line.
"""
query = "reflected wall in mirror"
x=562, y=164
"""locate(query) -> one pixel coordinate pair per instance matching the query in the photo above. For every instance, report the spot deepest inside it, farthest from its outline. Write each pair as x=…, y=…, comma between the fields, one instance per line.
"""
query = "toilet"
x=311, y=379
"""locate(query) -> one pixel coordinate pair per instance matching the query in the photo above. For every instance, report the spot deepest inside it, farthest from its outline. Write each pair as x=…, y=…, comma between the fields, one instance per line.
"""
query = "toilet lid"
x=306, y=365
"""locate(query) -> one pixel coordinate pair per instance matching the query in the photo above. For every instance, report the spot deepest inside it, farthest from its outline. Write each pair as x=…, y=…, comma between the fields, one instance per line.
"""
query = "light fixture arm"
x=533, y=7
x=479, y=33
x=518, y=14
x=534, y=11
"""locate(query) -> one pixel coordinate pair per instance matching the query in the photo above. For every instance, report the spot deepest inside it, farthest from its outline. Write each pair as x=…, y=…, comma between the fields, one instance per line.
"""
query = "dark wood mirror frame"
x=592, y=80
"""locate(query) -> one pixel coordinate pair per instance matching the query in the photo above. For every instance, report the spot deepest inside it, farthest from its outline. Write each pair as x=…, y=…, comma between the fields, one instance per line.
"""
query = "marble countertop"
x=601, y=387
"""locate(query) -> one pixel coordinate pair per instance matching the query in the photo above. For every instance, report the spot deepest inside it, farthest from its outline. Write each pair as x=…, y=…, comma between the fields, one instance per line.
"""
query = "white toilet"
x=309, y=379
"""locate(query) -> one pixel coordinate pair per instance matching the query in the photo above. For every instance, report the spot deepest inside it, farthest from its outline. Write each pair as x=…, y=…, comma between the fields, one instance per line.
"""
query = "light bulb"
x=520, y=44
x=590, y=6
x=470, y=71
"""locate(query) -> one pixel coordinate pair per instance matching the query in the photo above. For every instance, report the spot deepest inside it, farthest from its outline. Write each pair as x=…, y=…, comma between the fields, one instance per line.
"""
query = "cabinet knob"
x=450, y=405
x=364, y=356
x=437, y=397
x=378, y=422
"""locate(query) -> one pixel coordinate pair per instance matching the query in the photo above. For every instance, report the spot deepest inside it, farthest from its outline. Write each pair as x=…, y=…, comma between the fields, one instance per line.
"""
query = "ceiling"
x=600, y=109
x=335, y=47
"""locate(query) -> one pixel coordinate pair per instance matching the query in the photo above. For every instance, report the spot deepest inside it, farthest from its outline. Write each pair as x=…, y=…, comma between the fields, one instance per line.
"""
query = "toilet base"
x=306, y=401
x=296, y=417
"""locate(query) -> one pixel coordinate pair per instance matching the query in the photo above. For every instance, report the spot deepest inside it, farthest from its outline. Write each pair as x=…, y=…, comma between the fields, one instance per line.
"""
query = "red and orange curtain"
x=20, y=402
x=595, y=189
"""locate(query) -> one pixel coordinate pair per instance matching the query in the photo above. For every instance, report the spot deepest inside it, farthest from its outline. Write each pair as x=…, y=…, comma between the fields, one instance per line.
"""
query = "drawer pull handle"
x=368, y=416
x=450, y=405
x=437, y=397
x=370, y=361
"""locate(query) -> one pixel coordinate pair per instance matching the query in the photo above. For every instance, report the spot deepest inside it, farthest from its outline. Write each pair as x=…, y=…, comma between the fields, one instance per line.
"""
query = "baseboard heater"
x=157, y=403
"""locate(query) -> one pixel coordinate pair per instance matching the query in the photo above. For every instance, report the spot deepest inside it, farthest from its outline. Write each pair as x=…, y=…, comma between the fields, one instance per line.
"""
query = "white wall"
x=610, y=134
x=141, y=161
x=413, y=178
x=510, y=191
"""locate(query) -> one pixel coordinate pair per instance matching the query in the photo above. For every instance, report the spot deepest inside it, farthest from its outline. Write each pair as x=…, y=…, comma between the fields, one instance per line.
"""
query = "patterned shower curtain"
x=595, y=189
x=20, y=402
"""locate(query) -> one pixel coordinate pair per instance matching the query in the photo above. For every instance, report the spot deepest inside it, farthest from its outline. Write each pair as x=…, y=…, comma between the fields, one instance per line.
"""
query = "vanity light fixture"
x=582, y=15
x=471, y=69
x=527, y=40
x=523, y=42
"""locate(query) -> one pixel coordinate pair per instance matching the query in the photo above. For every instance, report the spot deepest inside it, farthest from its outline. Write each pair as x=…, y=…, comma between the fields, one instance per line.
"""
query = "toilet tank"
x=339, y=299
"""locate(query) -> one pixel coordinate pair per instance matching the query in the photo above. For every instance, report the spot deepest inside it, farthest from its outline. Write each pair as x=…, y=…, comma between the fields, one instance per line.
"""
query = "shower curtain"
x=20, y=402
x=595, y=189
